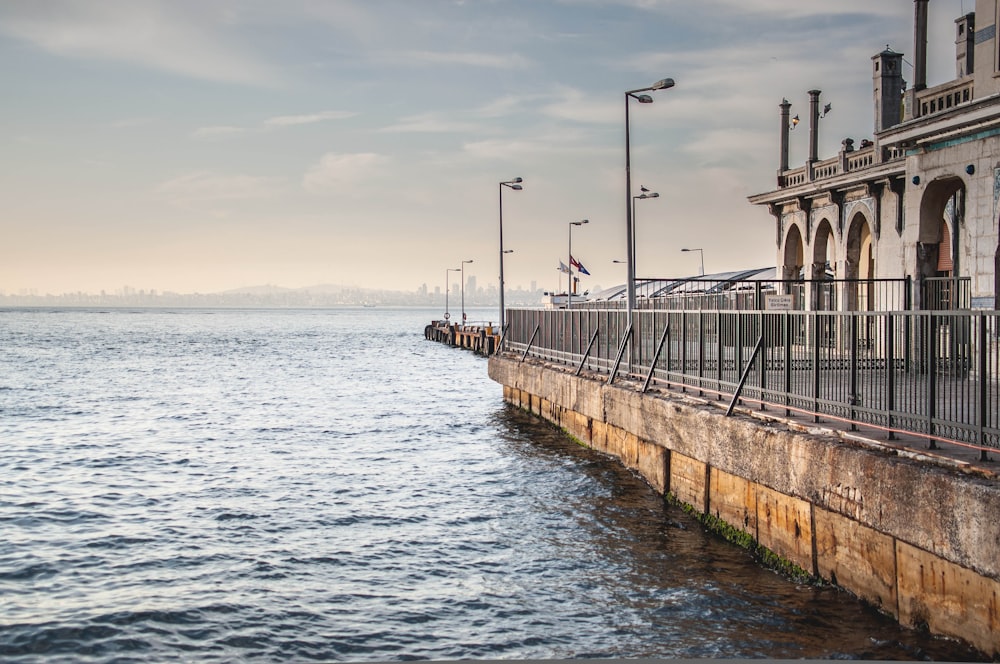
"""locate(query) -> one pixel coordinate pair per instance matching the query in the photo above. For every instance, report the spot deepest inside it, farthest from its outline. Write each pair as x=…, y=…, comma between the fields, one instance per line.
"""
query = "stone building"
x=920, y=199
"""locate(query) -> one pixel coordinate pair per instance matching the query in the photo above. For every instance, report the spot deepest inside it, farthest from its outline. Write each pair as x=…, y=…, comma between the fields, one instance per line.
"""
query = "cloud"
x=736, y=8
x=338, y=172
x=206, y=186
x=430, y=123
x=179, y=38
x=468, y=59
x=218, y=131
x=310, y=118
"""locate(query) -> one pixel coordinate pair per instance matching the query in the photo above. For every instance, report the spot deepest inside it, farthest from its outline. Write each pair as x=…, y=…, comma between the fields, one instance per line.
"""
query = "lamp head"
x=516, y=180
x=644, y=99
x=516, y=187
x=662, y=84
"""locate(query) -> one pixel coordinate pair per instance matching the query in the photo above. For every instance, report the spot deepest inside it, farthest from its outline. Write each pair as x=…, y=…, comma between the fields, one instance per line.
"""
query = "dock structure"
x=481, y=339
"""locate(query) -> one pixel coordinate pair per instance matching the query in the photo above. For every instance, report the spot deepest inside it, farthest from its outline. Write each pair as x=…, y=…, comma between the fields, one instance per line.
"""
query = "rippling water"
x=274, y=485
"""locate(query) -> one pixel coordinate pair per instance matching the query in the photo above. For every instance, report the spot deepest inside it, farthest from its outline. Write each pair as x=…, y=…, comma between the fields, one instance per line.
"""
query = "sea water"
x=274, y=485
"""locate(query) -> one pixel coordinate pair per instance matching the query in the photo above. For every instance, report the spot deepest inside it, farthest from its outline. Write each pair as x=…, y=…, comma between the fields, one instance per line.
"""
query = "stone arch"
x=941, y=207
x=933, y=225
x=793, y=256
x=824, y=250
x=859, y=264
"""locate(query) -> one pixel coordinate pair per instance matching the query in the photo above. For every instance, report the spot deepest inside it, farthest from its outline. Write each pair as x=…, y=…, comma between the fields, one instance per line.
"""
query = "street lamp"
x=662, y=84
x=569, y=289
x=463, y=290
x=702, y=256
x=447, y=315
x=645, y=194
x=514, y=184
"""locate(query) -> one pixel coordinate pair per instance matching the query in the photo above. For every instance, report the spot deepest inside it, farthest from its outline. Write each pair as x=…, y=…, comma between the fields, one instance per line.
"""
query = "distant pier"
x=480, y=338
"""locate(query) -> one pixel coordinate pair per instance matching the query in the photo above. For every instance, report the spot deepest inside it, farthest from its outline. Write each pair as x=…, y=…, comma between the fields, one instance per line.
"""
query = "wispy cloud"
x=179, y=38
x=337, y=172
x=273, y=123
x=207, y=186
x=466, y=59
x=218, y=131
x=309, y=118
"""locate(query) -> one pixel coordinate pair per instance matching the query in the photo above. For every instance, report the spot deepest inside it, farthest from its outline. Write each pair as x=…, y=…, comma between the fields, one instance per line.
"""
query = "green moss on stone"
x=741, y=538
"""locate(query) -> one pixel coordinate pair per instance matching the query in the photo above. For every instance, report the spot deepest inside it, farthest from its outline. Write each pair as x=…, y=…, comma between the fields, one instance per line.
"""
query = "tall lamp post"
x=662, y=84
x=447, y=289
x=569, y=289
x=701, y=255
x=645, y=194
x=514, y=184
x=463, y=290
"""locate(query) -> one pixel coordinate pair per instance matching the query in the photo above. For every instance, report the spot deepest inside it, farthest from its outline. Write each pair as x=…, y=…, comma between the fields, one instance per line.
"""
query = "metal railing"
x=946, y=293
x=935, y=374
x=752, y=294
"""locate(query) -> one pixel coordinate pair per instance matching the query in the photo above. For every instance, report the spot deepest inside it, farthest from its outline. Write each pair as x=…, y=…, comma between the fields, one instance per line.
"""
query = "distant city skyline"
x=202, y=147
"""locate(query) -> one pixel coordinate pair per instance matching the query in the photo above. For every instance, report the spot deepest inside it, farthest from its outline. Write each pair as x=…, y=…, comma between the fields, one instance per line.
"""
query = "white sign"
x=780, y=302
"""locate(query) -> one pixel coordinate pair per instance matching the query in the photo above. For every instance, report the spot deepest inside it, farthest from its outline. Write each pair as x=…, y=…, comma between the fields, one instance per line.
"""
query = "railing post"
x=890, y=368
x=684, y=331
x=854, y=399
x=763, y=357
x=931, y=376
x=787, y=320
x=720, y=351
x=701, y=353
x=982, y=396
x=815, y=363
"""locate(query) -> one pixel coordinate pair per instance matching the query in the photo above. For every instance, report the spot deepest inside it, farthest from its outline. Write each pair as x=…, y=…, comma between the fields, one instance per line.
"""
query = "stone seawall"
x=918, y=540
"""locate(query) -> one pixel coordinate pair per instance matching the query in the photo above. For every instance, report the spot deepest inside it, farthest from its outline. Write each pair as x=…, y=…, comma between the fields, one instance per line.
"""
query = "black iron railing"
x=755, y=295
x=931, y=373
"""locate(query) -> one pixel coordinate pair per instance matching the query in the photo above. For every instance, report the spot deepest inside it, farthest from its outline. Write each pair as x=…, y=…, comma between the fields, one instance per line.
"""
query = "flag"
x=562, y=267
x=578, y=265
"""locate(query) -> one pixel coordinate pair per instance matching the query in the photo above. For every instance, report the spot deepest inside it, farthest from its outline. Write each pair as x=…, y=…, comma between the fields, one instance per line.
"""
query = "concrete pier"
x=916, y=536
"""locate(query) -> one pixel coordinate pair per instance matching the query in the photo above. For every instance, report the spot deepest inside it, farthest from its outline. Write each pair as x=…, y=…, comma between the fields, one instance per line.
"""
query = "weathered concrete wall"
x=919, y=541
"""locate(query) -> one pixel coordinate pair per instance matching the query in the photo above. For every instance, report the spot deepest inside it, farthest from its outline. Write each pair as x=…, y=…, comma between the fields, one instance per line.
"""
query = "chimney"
x=919, y=45
x=783, y=148
x=965, y=46
x=814, y=125
x=887, y=87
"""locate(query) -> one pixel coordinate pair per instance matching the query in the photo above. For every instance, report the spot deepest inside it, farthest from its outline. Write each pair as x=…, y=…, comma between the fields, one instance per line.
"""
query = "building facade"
x=920, y=199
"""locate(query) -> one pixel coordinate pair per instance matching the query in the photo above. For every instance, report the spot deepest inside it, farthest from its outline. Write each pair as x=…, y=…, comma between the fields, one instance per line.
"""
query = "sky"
x=208, y=145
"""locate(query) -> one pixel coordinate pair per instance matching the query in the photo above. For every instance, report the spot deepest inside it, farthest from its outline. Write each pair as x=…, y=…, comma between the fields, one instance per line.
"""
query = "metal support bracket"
x=746, y=374
x=626, y=339
x=530, y=342
x=656, y=357
x=587, y=354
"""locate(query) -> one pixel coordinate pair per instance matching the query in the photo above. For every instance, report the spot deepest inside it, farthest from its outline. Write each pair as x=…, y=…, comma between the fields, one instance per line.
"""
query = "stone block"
x=784, y=526
x=687, y=480
x=652, y=464
x=733, y=499
x=856, y=557
x=947, y=599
